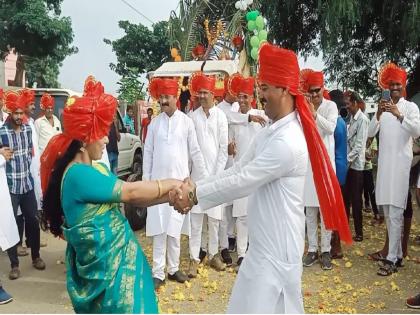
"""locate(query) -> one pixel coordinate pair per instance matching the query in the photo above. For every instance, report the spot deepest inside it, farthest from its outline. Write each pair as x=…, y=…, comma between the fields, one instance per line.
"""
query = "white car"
x=130, y=147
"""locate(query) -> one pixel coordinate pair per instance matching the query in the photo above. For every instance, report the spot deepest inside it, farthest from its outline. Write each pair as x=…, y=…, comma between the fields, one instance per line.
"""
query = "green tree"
x=141, y=49
x=131, y=88
x=355, y=37
x=37, y=32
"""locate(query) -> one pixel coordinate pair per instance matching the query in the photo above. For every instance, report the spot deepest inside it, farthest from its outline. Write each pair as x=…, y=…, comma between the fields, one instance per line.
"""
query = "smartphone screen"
x=386, y=95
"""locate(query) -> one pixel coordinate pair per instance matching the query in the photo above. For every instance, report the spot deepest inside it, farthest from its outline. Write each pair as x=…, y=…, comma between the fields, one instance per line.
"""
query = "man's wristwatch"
x=192, y=197
x=400, y=118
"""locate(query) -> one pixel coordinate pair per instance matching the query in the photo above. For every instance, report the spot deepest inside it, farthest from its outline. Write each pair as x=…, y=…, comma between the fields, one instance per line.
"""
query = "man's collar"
x=357, y=115
x=283, y=121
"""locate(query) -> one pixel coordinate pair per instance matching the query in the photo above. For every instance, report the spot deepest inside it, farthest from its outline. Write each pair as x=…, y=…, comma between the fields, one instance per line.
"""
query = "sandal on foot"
x=377, y=256
x=387, y=269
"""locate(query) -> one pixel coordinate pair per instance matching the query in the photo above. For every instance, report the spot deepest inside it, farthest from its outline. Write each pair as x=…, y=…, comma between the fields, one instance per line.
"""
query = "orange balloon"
x=178, y=58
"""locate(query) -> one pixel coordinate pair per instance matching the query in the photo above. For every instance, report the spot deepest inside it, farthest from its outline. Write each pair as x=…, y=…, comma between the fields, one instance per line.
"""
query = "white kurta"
x=36, y=164
x=395, y=153
x=243, y=135
x=326, y=121
x=45, y=131
x=212, y=136
x=9, y=235
x=272, y=172
x=170, y=143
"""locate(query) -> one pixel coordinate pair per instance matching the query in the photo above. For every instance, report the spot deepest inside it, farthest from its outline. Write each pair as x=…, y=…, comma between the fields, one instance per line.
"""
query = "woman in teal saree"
x=107, y=271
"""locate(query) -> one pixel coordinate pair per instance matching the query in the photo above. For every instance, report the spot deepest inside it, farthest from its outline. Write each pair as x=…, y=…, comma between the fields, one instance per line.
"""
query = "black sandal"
x=358, y=238
x=377, y=256
x=387, y=269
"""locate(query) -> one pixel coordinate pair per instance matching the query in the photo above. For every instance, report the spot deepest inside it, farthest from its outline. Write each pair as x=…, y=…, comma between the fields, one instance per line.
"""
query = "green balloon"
x=254, y=53
x=262, y=42
x=249, y=16
x=262, y=35
x=252, y=15
x=251, y=26
x=259, y=22
x=255, y=42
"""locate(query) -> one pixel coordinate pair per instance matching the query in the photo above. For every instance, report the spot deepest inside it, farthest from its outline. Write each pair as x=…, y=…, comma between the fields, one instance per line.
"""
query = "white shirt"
x=212, y=136
x=326, y=120
x=234, y=117
x=36, y=164
x=243, y=136
x=395, y=153
x=356, y=141
x=45, y=131
x=170, y=143
x=273, y=173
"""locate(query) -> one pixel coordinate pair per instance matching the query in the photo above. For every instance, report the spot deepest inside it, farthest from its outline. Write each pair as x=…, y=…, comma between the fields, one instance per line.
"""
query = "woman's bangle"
x=159, y=188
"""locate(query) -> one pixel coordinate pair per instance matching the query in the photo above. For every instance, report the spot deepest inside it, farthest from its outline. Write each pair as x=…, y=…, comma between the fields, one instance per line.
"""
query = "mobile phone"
x=386, y=95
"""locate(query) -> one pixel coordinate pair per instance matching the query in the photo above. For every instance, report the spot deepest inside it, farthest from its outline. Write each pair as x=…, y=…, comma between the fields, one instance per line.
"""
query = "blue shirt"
x=18, y=168
x=340, y=138
x=129, y=124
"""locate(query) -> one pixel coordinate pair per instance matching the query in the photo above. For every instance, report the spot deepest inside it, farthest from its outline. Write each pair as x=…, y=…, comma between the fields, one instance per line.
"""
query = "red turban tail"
x=279, y=67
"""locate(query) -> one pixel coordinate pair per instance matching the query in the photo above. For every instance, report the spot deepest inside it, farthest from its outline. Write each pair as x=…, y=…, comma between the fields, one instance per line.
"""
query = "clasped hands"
x=183, y=197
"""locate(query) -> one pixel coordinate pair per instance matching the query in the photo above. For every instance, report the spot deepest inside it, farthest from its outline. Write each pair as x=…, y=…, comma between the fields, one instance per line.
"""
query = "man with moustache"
x=398, y=122
x=17, y=136
x=273, y=173
x=211, y=126
x=171, y=143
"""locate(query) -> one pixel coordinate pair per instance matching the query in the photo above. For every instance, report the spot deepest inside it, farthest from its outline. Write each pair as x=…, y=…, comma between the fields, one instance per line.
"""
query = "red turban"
x=239, y=84
x=46, y=101
x=13, y=101
x=315, y=78
x=28, y=96
x=234, y=83
x=279, y=67
x=390, y=72
x=86, y=119
x=165, y=86
x=168, y=87
x=200, y=81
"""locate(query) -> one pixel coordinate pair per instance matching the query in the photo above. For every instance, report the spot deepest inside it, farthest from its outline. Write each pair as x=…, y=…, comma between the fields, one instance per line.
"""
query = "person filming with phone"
x=397, y=121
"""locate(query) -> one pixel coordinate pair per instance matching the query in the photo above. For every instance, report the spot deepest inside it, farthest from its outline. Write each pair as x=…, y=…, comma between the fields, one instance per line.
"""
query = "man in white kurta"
x=212, y=133
x=48, y=125
x=243, y=136
x=325, y=113
x=230, y=107
x=397, y=121
x=273, y=173
x=170, y=143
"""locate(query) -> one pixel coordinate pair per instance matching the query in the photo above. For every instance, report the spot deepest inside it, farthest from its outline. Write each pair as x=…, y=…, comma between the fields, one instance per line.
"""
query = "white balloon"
x=243, y=5
x=249, y=2
x=237, y=5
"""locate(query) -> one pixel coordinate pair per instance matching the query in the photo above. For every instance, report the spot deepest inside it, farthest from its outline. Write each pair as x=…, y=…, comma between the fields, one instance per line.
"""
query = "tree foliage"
x=39, y=34
x=141, y=49
x=131, y=88
x=355, y=37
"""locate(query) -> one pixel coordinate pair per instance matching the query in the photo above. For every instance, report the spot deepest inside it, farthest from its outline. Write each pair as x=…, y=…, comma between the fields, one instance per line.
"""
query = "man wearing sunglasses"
x=325, y=113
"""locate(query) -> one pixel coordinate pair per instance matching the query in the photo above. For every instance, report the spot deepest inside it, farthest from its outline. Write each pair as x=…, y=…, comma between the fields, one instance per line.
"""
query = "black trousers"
x=353, y=197
x=369, y=190
x=28, y=205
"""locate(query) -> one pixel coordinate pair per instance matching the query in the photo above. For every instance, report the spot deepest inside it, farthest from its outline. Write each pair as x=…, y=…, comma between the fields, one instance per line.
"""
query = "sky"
x=94, y=20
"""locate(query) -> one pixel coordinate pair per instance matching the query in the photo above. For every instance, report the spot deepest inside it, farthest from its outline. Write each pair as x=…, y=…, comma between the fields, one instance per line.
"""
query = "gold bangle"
x=159, y=189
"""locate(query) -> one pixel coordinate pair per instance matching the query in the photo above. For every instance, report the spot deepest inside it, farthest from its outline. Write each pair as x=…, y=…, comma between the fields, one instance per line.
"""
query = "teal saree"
x=107, y=271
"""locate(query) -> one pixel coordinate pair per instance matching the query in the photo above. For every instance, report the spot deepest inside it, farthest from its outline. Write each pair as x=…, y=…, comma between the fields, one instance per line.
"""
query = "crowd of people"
x=228, y=175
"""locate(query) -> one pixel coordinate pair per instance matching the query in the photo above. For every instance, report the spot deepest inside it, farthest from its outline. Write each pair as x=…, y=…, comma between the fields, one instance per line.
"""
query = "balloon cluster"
x=243, y=4
x=175, y=54
x=256, y=25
